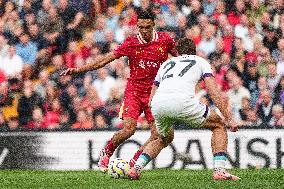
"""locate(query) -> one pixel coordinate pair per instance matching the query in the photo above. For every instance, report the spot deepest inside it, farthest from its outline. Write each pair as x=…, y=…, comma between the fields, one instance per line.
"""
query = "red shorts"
x=134, y=105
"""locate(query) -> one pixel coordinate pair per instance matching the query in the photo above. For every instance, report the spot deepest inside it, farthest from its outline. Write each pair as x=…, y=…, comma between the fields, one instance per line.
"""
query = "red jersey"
x=144, y=59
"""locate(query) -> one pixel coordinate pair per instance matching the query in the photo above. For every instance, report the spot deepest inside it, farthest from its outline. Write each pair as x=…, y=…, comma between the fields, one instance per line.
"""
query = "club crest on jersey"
x=162, y=52
x=139, y=51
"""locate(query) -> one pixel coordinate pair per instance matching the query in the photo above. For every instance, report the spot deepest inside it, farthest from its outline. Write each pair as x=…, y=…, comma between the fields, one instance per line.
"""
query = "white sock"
x=141, y=162
x=219, y=163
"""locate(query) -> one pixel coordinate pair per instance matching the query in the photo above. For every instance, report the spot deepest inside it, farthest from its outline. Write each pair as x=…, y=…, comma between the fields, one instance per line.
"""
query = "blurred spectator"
x=277, y=119
x=112, y=18
x=241, y=29
x=39, y=40
x=247, y=113
x=114, y=102
x=264, y=59
x=99, y=34
x=236, y=94
x=264, y=108
x=72, y=19
x=278, y=55
x=270, y=39
x=42, y=14
x=273, y=77
x=208, y=42
x=182, y=26
x=3, y=46
x=103, y=83
x=279, y=91
x=255, y=11
x=42, y=86
x=29, y=20
x=91, y=101
x=12, y=64
x=100, y=122
x=209, y=6
x=28, y=102
x=52, y=28
x=57, y=65
x=27, y=50
x=235, y=11
x=3, y=124
x=250, y=78
x=37, y=122
x=52, y=93
x=194, y=33
x=196, y=10
x=72, y=56
x=83, y=121
x=13, y=124
x=171, y=16
x=9, y=100
x=227, y=39
x=52, y=116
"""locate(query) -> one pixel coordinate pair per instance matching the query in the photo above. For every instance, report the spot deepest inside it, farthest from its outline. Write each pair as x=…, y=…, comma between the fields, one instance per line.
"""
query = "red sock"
x=135, y=157
x=110, y=148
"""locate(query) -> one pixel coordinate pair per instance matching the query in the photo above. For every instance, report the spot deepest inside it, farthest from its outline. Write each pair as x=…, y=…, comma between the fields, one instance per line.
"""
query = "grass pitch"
x=156, y=179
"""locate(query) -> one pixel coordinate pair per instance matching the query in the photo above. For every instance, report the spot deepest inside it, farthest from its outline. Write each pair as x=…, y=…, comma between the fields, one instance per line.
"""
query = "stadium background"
x=242, y=39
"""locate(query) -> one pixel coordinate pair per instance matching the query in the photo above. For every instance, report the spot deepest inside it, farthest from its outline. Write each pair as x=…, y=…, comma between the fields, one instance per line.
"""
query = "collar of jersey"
x=142, y=41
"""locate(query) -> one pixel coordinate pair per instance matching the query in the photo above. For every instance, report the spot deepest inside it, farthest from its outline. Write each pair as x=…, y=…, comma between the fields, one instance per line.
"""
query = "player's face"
x=146, y=27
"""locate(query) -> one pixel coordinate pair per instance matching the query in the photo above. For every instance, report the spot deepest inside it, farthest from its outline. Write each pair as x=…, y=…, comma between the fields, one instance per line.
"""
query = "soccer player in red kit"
x=146, y=52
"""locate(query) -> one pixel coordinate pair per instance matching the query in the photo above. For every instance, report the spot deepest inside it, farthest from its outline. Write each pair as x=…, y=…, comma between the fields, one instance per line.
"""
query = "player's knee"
x=130, y=131
x=154, y=135
x=169, y=139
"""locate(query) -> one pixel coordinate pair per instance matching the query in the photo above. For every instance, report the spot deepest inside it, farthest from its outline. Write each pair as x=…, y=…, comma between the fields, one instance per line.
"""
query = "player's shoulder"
x=133, y=39
x=164, y=35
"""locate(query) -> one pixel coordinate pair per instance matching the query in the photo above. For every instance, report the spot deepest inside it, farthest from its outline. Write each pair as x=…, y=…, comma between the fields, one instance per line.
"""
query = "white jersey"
x=175, y=98
x=179, y=75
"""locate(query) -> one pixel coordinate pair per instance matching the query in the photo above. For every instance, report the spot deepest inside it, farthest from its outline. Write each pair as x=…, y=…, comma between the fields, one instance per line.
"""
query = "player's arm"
x=98, y=63
x=153, y=91
x=220, y=101
x=155, y=86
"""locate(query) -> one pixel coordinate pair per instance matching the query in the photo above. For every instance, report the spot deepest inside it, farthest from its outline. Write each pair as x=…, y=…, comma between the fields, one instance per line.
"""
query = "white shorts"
x=186, y=110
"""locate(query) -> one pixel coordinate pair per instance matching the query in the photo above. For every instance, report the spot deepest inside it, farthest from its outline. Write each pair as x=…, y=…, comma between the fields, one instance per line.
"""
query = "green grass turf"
x=156, y=179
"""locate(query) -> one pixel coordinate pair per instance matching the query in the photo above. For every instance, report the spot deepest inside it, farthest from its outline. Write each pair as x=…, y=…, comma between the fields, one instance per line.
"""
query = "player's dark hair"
x=186, y=46
x=146, y=15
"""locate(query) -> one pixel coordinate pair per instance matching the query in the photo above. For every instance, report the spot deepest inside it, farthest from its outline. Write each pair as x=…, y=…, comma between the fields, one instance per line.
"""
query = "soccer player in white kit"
x=173, y=99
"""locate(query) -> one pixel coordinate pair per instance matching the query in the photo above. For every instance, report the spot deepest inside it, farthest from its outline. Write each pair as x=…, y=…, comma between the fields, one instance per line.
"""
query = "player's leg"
x=152, y=149
x=219, y=142
x=129, y=128
x=154, y=133
x=130, y=110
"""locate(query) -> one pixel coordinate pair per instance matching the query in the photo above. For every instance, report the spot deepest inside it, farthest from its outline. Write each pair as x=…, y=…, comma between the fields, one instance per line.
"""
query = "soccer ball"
x=118, y=168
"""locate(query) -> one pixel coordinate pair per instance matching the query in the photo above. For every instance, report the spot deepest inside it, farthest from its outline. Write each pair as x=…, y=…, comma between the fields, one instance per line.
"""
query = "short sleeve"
x=206, y=69
x=124, y=49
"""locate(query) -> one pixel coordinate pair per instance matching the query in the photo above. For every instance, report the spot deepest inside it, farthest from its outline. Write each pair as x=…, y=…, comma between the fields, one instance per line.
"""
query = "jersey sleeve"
x=206, y=69
x=123, y=49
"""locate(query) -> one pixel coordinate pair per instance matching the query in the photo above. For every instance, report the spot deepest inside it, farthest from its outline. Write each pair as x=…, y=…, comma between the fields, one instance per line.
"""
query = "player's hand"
x=68, y=71
x=233, y=125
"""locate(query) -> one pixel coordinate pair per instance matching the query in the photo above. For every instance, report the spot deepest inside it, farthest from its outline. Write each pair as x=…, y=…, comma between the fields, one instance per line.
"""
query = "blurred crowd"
x=242, y=39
